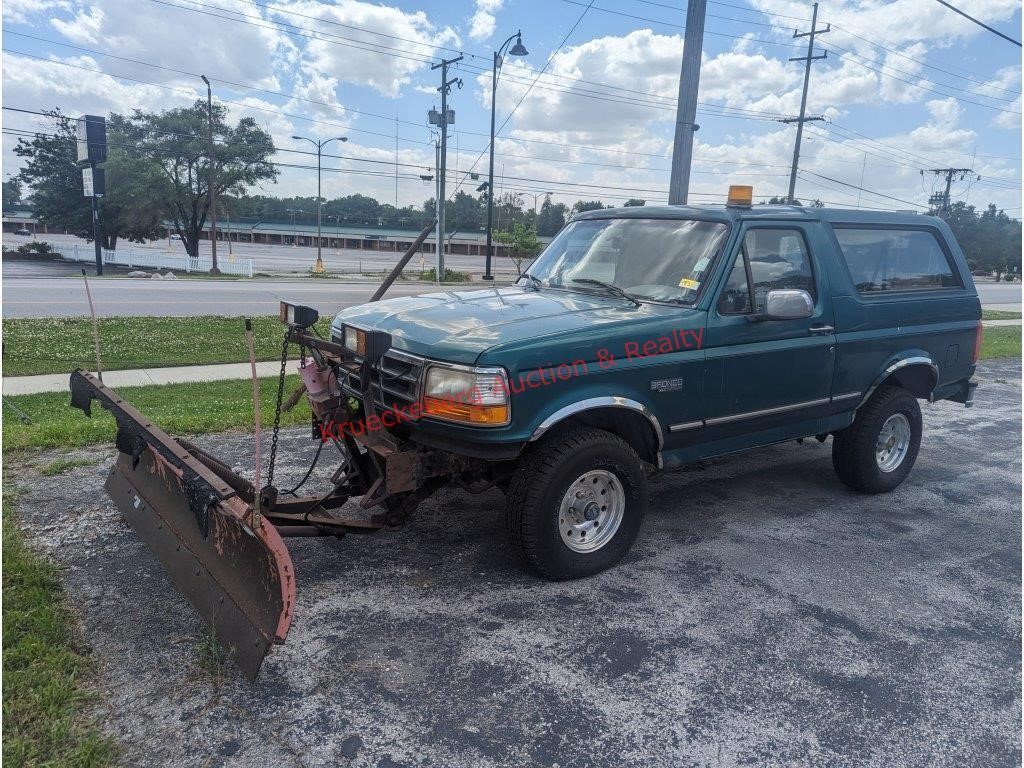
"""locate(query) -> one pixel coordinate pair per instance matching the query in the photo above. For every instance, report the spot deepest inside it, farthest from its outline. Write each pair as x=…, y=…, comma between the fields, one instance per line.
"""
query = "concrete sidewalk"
x=58, y=382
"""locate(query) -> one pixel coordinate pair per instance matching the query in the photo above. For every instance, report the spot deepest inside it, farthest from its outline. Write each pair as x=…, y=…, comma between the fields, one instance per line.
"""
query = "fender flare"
x=899, y=364
x=610, y=401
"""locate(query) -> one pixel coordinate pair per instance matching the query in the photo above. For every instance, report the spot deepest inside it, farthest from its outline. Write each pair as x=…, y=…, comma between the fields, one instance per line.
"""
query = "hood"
x=458, y=326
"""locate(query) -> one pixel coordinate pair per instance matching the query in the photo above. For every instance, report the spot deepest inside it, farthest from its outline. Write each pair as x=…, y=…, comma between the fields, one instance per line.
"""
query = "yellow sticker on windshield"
x=686, y=282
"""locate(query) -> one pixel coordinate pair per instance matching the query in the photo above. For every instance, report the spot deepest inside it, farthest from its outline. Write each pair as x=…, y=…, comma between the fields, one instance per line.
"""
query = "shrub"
x=450, y=276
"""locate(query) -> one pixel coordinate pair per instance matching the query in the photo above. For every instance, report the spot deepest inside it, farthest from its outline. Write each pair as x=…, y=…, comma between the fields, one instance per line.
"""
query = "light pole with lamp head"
x=517, y=50
x=293, y=211
x=319, y=268
x=211, y=193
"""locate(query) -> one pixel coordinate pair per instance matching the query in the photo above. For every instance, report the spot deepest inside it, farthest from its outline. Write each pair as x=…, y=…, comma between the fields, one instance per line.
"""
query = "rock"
x=138, y=273
x=351, y=746
x=170, y=276
x=157, y=276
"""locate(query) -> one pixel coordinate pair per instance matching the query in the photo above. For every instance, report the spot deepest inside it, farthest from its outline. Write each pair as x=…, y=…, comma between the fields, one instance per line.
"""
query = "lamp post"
x=319, y=268
x=293, y=211
x=517, y=50
x=211, y=193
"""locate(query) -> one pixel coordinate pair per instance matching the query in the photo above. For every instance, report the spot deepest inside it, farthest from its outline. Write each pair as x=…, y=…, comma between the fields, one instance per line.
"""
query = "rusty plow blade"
x=234, y=569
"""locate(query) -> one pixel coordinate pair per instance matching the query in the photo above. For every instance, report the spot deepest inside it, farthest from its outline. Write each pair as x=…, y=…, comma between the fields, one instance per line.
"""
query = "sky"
x=906, y=86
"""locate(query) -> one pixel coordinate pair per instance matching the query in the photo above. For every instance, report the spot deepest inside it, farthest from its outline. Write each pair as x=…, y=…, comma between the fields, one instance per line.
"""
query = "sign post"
x=92, y=150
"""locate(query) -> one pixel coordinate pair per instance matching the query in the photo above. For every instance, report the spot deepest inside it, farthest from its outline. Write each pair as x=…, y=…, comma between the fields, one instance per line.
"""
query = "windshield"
x=655, y=259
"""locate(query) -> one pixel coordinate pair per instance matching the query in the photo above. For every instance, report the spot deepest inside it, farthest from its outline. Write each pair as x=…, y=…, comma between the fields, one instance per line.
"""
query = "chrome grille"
x=394, y=381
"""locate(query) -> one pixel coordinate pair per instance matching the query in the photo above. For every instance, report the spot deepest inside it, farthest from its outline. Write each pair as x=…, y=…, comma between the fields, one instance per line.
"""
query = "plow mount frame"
x=197, y=516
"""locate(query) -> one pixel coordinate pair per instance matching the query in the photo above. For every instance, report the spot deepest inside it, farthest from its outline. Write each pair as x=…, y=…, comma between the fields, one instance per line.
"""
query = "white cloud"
x=399, y=44
x=85, y=28
x=19, y=11
x=890, y=22
x=482, y=23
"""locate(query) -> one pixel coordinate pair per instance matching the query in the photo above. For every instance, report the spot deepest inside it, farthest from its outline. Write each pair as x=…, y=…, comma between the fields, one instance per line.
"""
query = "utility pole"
x=686, y=107
x=211, y=192
x=940, y=200
x=808, y=59
x=443, y=120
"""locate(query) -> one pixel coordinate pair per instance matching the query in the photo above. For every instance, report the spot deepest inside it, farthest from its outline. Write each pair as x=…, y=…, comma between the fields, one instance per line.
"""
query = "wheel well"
x=632, y=426
x=919, y=379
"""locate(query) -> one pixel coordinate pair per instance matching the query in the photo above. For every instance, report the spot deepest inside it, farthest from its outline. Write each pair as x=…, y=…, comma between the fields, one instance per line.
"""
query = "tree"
x=131, y=207
x=11, y=192
x=990, y=240
x=464, y=212
x=633, y=202
x=587, y=205
x=551, y=218
x=176, y=142
x=520, y=243
x=508, y=211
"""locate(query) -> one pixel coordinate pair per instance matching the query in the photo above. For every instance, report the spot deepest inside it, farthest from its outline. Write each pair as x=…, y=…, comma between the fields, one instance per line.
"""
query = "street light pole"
x=211, y=195
x=319, y=267
x=517, y=50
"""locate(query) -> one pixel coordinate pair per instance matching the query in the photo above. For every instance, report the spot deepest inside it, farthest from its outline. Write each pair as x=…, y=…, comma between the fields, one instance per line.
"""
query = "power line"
x=979, y=23
x=518, y=103
x=921, y=62
x=862, y=189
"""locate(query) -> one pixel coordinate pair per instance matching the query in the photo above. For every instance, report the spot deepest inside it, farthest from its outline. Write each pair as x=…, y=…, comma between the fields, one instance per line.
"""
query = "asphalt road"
x=65, y=296
x=30, y=291
x=276, y=259
x=766, y=616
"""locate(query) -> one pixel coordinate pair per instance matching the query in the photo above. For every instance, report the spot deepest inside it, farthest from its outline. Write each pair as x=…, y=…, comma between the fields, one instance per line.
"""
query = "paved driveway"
x=766, y=616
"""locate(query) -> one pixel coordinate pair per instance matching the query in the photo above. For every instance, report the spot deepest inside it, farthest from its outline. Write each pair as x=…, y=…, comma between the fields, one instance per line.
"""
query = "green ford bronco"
x=649, y=337
x=641, y=339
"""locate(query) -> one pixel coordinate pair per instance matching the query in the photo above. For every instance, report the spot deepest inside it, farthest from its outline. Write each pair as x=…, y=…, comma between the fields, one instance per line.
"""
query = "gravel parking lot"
x=766, y=616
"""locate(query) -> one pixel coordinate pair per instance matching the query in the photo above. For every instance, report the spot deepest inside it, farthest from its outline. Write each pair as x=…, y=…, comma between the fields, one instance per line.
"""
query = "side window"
x=895, y=260
x=777, y=258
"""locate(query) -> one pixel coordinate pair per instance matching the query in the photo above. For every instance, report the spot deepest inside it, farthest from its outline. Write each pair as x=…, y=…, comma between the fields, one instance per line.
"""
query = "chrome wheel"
x=893, y=442
x=591, y=511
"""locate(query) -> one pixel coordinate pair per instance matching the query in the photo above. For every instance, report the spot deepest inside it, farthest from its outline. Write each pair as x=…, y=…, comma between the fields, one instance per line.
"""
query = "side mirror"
x=788, y=304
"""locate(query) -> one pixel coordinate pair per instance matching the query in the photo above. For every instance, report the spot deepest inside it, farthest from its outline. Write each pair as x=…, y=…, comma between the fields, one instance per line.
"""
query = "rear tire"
x=574, y=484
x=876, y=453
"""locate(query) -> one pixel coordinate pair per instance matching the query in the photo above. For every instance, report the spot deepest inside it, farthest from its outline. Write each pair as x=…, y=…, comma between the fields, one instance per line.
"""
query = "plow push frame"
x=220, y=538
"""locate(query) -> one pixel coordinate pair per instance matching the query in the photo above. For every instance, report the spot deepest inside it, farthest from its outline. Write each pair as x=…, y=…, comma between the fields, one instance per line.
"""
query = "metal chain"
x=277, y=411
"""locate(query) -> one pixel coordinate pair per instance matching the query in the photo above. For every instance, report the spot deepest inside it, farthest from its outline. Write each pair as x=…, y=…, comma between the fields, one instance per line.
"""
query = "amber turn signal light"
x=468, y=413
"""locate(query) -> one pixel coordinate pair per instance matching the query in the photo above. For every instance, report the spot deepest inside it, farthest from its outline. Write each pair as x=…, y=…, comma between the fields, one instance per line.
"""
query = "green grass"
x=59, y=345
x=999, y=314
x=60, y=466
x=180, y=409
x=46, y=665
x=1001, y=341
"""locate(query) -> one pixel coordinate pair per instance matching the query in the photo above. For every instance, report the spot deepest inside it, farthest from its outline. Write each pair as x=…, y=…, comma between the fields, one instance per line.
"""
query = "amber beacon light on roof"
x=740, y=196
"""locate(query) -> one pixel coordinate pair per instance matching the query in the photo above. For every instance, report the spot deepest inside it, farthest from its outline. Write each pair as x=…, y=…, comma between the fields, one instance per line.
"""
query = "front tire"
x=576, y=502
x=876, y=453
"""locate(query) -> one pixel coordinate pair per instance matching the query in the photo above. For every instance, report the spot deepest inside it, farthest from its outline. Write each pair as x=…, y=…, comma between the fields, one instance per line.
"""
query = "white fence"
x=155, y=259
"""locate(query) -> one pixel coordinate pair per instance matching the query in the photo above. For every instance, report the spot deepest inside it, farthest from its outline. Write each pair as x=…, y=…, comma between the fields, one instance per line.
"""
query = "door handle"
x=821, y=330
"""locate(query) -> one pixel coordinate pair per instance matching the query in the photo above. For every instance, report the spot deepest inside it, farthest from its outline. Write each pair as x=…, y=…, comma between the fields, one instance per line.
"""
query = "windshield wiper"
x=536, y=282
x=612, y=289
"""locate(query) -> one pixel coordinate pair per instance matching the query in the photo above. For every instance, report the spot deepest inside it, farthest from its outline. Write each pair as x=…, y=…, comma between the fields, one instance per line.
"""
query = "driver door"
x=767, y=378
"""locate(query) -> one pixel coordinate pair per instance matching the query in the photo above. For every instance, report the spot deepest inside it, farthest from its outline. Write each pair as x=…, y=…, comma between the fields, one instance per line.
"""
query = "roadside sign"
x=93, y=182
x=92, y=139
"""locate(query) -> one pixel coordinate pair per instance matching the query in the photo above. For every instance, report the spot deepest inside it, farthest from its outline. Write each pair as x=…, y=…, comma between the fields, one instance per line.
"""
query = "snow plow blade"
x=230, y=564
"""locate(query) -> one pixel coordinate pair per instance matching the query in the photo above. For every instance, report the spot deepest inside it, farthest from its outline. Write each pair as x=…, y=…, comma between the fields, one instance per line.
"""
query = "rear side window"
x=895, y=260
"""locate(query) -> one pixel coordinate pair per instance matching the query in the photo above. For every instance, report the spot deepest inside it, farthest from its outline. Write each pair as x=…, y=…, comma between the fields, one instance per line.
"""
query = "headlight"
x=355, y=340
x=477, y=396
